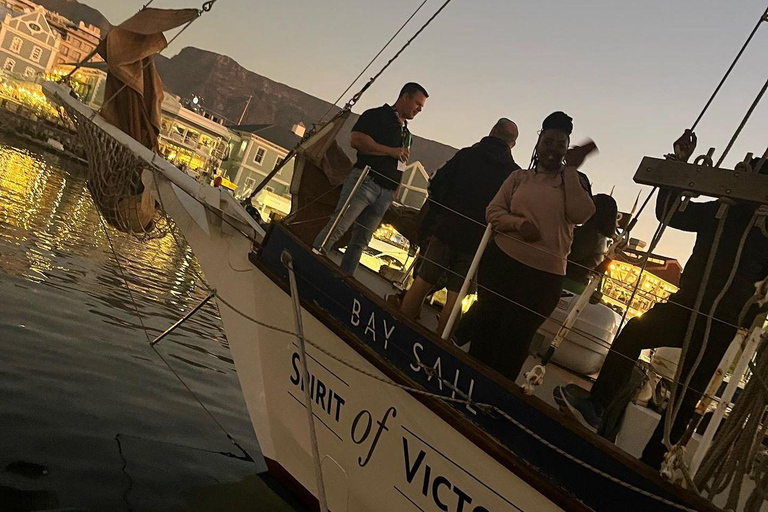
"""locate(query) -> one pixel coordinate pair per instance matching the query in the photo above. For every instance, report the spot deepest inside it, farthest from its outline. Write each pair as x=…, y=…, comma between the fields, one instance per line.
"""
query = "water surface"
x=90, y=416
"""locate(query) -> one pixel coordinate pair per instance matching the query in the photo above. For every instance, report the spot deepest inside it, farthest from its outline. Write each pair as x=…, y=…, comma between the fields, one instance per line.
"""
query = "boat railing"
x=564, y=327
x=323, y=246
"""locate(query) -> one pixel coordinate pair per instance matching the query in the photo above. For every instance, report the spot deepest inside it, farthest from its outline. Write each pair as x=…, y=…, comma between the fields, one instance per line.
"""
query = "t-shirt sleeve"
x=367, y=123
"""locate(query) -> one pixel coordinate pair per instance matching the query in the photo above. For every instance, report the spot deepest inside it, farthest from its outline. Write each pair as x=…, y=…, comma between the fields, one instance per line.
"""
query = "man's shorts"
x=442, y=264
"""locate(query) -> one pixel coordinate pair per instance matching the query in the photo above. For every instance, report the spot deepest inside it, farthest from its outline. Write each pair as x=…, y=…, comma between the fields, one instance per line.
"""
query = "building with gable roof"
x=28, y=43
x=78, y=40
x=255, y=152
x=191, y=137
x=258, y=150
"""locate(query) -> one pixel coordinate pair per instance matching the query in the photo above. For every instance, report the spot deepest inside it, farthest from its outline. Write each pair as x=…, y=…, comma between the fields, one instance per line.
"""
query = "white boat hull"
x=381, y=448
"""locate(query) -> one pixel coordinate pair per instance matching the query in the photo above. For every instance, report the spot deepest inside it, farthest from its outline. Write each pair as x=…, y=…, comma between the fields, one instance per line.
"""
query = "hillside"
x=225, y=87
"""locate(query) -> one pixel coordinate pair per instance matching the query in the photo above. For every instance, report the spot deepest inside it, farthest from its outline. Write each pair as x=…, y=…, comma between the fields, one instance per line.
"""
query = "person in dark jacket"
x=458, y=196
x=666, y=323
x=590, y=243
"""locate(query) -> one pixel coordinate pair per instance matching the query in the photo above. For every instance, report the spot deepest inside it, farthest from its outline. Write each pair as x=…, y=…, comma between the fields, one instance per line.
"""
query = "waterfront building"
x=28, y=43
x=193, y=138
x=78, y=41
x=254, y=153
x=660, y=280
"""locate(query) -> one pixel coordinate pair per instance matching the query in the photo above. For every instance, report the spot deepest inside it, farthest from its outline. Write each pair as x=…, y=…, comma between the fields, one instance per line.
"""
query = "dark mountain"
x=77, y=12
x=225, y=87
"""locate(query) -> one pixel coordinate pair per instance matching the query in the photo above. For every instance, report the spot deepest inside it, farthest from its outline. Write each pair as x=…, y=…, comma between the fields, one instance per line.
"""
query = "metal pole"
x=288, y=262
x=183, y=319
x=578, y=306
x=714, y=384
x=247, y=104
x=465, y=285
x=400, y=285
x=750, y=347
x=343, y=210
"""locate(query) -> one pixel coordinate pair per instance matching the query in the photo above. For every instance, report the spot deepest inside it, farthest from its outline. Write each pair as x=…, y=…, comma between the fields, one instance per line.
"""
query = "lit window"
x=260, y=152
x=16, y=45
x=248, y=186
x=9, y=64
x=30, y=72
x=37, y=53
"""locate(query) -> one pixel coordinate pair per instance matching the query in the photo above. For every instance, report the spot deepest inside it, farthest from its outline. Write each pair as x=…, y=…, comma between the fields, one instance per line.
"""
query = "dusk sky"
x=632, y=74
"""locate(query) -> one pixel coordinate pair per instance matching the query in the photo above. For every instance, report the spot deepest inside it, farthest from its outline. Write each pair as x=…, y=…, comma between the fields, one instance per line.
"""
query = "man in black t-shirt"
x=382, y=141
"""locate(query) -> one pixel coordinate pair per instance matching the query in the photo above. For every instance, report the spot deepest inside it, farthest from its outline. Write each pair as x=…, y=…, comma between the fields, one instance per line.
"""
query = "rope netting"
x=114, y=181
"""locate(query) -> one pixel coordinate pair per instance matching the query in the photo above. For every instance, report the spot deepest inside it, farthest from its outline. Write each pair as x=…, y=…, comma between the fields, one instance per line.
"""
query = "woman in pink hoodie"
x=520, y=277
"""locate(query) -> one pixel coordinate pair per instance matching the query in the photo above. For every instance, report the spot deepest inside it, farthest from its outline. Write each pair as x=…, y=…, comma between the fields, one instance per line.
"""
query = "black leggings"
x=513, y=301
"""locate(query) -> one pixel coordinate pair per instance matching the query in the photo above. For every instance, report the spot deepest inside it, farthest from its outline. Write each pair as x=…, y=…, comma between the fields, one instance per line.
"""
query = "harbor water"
x=91, y=416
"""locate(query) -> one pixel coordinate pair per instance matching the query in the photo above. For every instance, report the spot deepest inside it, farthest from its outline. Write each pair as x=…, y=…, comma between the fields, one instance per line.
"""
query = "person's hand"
x=402, y=154
x=685, y=145
x=577, y=154
x=529, y=232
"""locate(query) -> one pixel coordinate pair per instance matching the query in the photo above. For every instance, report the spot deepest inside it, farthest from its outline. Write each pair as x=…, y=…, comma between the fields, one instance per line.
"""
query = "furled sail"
x=133, y=98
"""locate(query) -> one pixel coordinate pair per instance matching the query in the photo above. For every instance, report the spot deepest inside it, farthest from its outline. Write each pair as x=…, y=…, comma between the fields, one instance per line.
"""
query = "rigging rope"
x=763, y=18
x=712, y=310
x=674, y=403
x=743, y=123
x=734, y=445
x=374, y=59
x=351, y=103
x=234, y=442
x=357, y=96
x=662, y=226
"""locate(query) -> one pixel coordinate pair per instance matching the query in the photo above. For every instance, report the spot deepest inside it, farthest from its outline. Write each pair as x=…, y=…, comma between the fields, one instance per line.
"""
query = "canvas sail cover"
x=132, y=79
x=133, y=99
x=320, y=170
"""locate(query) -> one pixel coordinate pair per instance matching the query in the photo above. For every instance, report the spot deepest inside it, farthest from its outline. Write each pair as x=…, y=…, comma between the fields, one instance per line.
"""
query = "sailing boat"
x=354, y=405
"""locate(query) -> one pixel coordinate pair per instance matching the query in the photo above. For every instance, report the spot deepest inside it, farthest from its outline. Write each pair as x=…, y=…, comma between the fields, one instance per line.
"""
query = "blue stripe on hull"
x=397, y=343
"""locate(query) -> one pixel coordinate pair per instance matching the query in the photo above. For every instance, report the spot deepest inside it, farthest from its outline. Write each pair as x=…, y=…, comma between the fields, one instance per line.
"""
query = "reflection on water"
x=83, y=396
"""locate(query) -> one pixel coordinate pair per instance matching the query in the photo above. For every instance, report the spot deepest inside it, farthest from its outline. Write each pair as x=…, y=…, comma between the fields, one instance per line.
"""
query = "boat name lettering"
x=437, y=488
x=437, y=371
x=318, y=390
x=370, y=327
x=382, y=423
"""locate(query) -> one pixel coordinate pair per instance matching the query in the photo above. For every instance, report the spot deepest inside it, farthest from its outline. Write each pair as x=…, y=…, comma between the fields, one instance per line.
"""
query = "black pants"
x=513, y=301
x=664, y=325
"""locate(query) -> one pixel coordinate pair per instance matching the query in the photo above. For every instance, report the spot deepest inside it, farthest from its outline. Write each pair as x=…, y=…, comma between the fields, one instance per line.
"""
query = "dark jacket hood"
x=494, y=150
